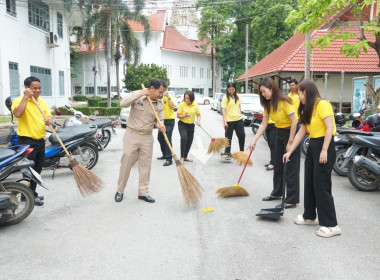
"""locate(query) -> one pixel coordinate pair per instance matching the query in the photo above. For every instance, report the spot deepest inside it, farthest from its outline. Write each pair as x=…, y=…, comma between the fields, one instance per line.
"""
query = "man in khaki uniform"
x=138, y=139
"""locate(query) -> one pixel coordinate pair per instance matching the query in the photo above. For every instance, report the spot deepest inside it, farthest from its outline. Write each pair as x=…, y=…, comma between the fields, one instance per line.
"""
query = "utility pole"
x=246, y=58
x=109, y=58
x=307, y=57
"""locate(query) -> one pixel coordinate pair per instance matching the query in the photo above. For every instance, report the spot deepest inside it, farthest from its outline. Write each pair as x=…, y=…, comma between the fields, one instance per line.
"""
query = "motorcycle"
x=363, y=159
x=107, y=126
x=256, y=122
x=16, y=198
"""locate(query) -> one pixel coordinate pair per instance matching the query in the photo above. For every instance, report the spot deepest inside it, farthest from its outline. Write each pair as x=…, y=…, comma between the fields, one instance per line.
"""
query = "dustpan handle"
x=283, y=186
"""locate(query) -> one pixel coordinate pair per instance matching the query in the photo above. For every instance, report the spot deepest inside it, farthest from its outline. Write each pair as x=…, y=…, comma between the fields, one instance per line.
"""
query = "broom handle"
x=245, y=165
x=160, y=124
x=200, y=126
x=52, y=129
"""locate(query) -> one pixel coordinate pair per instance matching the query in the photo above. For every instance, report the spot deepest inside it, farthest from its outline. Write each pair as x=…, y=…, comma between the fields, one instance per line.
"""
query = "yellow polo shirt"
x=270, y=121
x=321, y=110
x=296, y=102
x=31, y=123
x=280, y=116
x=168, y=112
x=233, y=112
x=192, y=109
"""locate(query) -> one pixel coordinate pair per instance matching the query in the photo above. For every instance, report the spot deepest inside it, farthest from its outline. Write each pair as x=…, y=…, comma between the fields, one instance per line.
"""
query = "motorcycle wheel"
x=338, y=163
x=105, y=139
x=359, y=179
x=86, y=154
x=24, y=207
x=305, y=144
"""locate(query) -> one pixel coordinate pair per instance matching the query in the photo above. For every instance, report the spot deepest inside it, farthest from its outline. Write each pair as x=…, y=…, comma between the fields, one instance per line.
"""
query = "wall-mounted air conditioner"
x=52, y=40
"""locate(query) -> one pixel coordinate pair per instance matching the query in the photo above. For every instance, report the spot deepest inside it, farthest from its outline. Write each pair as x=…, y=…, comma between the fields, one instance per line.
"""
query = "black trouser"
x=169, y=125
x=271, y=136
x=37, y=156
x=238, y=126
x=318, y=184
x=292, y=169
x=186, y=131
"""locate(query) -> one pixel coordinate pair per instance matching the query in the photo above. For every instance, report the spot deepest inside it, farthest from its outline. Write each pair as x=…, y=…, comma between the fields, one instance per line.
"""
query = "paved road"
x=95, y=238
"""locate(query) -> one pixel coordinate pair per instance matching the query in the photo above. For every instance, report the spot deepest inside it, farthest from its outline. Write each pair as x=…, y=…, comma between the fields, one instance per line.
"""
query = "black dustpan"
x=275, y=213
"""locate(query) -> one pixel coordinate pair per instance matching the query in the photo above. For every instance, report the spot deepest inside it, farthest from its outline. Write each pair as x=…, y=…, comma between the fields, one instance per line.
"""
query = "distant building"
x=35, y=42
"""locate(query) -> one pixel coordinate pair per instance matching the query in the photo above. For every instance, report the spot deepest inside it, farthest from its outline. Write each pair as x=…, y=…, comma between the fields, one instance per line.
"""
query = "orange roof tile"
x=156, y=21
x=174, y=41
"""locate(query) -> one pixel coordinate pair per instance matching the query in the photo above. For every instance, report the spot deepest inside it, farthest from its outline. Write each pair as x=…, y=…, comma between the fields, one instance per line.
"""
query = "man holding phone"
x=31, y=126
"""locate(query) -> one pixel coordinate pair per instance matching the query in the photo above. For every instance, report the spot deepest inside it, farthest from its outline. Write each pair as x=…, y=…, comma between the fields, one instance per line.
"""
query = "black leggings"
x=186, y=131
x=38, y=156
x=238, y=126
x=271, y=136
x=318, y=184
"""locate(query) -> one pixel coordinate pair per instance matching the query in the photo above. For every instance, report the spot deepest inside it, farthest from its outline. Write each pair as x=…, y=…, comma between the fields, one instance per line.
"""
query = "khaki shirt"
x=141, y=117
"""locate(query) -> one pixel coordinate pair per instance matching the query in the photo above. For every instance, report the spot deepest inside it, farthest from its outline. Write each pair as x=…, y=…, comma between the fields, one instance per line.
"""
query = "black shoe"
x=161, y=158
x=270, y=198
x=147, y=198
x=266, y=165
x=118, y=197
x=38, y=202
x=286, y=205
x=168, y=162
x=269, y=168
x=41, y=197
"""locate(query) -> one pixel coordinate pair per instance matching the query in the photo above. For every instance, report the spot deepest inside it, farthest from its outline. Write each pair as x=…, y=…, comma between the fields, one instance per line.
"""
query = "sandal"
x=329, y=231
x=299, y=220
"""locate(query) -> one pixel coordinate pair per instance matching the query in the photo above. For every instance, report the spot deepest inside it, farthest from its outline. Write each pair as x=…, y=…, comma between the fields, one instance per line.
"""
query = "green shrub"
x=94, y=102
x=114, y=103
x=89, y=111
x=79, y=97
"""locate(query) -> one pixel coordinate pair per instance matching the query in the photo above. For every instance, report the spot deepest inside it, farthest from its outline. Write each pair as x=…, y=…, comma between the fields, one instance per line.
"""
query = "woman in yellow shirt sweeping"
x=186, y=113
x=317, y=117
x=279, y=108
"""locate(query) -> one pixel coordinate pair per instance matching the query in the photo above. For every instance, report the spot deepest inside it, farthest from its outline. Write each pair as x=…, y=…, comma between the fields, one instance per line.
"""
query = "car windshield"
x=250, y=99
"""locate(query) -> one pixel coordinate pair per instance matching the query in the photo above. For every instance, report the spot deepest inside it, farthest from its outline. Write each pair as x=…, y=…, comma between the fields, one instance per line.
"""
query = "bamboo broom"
x=217, y=144
x=87, y=181
x=191, y=189
x=234, y=190
x=241, y=158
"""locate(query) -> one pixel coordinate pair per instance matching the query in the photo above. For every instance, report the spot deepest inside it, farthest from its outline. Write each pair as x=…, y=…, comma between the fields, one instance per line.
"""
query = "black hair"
x=231, y=85
x=293, y=81
x=30, y=80
x=156, y=83
x=277, y=95
x=191, y=96
x=312, y=96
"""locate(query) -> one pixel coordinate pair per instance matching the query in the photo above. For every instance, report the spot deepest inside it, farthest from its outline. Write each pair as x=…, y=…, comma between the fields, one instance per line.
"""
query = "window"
x=193, y=72
x=201, y=73
x=11, y=7
x=38, y=13
x=14, y=79
x=198, y=90
x=77, y=90
x=44, y=75
x=89, y=90
x=113, y=89
x=59, y=25
x=102, y=90
x=61, y=83
x=183, y=71
x=208, y=73
x=168, y=69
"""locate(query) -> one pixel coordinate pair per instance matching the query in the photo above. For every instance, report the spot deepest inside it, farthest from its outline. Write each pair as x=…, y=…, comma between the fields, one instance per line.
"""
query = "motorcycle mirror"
x=58, y=113
x=96, y=112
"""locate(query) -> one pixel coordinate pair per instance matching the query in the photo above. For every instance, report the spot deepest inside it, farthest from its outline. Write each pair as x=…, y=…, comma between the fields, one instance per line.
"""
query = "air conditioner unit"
x=52, y=40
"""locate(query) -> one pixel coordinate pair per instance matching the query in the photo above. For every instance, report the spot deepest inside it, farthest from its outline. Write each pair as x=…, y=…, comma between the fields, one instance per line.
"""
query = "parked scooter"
x=256, y=122
x=363, y=160
x=16, y=199
x=105, y=125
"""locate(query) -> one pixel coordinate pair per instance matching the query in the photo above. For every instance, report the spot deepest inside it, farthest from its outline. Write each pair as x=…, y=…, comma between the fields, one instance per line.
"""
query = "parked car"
x=201, y=99
x=219, y=104
x=123, y=93
x=214, y=101
x=124, y=115
x=249, y=103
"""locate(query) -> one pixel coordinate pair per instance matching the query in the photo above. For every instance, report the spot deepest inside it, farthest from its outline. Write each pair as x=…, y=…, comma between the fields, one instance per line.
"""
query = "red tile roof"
x=290, y=57
x=174, y=41
x=156, y=21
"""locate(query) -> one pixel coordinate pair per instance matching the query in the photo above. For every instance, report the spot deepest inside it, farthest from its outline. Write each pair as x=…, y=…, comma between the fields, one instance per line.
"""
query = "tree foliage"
x=312, y=14
x=142, y=74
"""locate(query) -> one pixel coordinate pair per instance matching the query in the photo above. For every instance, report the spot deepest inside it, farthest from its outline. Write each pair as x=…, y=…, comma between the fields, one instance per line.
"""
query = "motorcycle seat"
x=72, y=133
x=372, y=140
x=101, y=123
x=6, y=153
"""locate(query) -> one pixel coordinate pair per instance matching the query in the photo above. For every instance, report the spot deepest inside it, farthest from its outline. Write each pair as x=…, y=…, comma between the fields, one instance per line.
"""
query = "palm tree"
x=111, y=19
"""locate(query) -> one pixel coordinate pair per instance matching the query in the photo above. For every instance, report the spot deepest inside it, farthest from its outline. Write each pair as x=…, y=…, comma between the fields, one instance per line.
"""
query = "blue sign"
x=360, y=93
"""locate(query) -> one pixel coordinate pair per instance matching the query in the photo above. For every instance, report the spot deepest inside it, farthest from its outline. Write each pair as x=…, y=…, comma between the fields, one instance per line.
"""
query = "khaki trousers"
x=136, y=147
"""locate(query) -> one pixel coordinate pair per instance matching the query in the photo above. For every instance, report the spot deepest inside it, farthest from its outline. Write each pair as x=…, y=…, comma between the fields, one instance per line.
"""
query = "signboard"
x=359, y=94
x=376, y=82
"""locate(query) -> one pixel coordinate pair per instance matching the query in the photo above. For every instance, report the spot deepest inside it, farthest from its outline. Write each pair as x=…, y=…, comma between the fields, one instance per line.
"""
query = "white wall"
x=26, y=45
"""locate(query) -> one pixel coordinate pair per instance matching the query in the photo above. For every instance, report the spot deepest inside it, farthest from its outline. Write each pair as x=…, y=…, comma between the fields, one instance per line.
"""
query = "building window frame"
x=14, y=79
x=61, y=75
x=60, y=24
x=11, y=7
x=44, y=74
x=38, y=15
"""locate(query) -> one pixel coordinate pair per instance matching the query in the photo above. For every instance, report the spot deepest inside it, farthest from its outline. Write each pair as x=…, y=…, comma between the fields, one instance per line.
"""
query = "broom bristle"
x=217, y=145
x=231, y=191
x=87, y=182
x=241, y=158
x=191, y=188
